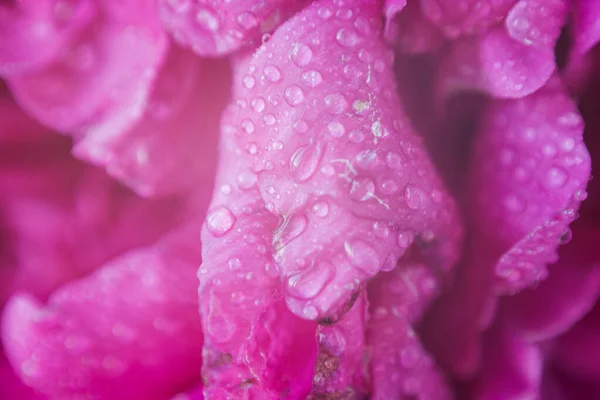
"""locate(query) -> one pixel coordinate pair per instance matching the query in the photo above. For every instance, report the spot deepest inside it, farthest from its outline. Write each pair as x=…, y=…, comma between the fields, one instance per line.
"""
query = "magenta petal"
x=529, y=173
x=339, y=366
x=467, y=16
x=34, y=32
x=586, y=25
x=512, y=367
x=569, y=292
x=214, y=28
x=107, y=70
x=310, y=133
x=400, y=367
x=173, y=145
x=410, y=32
x=130, y=330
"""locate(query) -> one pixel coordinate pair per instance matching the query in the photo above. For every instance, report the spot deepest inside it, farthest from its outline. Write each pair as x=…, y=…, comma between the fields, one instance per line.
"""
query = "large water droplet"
x=413, y=196
x=220, y=221
x=347, y=37
x=336, y=129
x=247, y=126
x=556, y=177
x=272, y=73
x=336, y=103
x=290, y=229
x=248, y=81
x=247, y=21
x=301, y=54
x=307, y=284
x=312, y=78
x=321, y=209
x=294, y=95
x=362, y=256
x=305, y=161
x=258, y=104
x=208, y=19
x=246, y=180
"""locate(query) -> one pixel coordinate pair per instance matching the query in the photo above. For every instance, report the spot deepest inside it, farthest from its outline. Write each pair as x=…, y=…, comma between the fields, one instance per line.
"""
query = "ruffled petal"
x=34, y=32
x=107, y=71
x=528, y=175
x=569, y=292
x=130, y=330
x=509, y=61
x=466, y=17
x=410, y=32
x=325, y=143
x=215, y=28
x=172, y=147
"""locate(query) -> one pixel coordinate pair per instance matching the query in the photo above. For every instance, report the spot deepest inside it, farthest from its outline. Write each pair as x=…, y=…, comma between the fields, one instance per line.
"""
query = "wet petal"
x=528, y=176
x=109, y=68
x=215, y=28
x=410, y=32
x=173, y=146
x=509, y=61
x=327, y=144
x=339, y=366
x=400, y=366
x=467, y=16
x=130, y=330
x=34, y=33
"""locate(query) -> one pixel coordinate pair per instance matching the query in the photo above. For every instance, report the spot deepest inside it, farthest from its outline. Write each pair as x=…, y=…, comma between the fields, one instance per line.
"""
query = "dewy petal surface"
x=172, y=147
x=529, y=172
x=319, y=132
x=213, y=28
x=130, y=330
x=510, y=60
x=109, y=67
x=400, y=367
x=34, y=32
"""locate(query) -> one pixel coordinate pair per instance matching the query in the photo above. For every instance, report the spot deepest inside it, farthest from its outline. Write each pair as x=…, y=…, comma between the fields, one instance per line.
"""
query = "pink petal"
x=310, y=134
x=512, y=367
x=509, y=61
x=400, y=367
x=410, y=32
x=586, y=25
x=130, y=330
x=569, y=292
x=339, y=367
x=34, y=33
x=11, y=386
x=467, y=16
x=108, y=70
x=528, y=176
x=214, y=28
x=173, y=146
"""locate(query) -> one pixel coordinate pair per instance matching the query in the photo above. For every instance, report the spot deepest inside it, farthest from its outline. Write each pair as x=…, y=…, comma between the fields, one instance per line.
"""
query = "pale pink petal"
x=173, y=145
x=107, y=69
x=326, y=144
x=400, y=366
x=512, y=367
x=339, y=370
x=509, y=61
x=569, y=292
x=213, y=28
x=34, y=32
x=465, y=16
x=529, y=173
x=130, y=330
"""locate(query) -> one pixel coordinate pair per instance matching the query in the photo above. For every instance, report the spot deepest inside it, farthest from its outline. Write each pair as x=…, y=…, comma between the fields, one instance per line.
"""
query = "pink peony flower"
x=316, y=199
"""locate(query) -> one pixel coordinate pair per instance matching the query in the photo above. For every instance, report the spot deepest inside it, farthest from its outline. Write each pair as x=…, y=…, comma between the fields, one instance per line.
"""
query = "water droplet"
x=277, y=145
x=272, y=73
x=310, y=312
x=321, y=209
x=305, y=161
x=225, y=190
x=300, y=126
x=179, y=6
x=514, y=204
x=301, y=54
x=308, y=284
x=409, y=357
x=207, y=19
x=556, y=177
x=234, y=264
x=114, y=365
x=347, y=37
x=381, y=229
x=336, y=129
x=344, y=13
x=258, y=104
x=389, y=186
x=220, y=221
x=362, y=256
x=248, y=81
x=290, y=229
x=336, y=103
x=356, y=136
x=246, y=180
x=362, y=189
x=405, y=239
x=324, y=12
x=294, y=95
x=393, y=161
x=269, y=119
x=312, y=78
x=413, y=196
x=247, y=20
x=247, y=126
x=251, y=148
